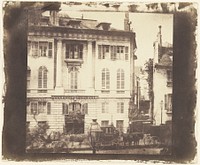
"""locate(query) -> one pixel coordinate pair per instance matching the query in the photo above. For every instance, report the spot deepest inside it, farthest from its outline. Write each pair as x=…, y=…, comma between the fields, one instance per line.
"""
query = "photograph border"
x=184, y=90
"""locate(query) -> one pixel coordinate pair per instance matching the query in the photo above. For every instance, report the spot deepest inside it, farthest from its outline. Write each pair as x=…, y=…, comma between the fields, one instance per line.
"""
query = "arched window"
x=120, y=79
x=105, y=79
x=74, y=78
x=42, y=77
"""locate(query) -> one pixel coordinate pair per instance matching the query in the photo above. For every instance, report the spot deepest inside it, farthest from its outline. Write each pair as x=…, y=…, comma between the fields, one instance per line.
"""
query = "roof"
x=165, y=62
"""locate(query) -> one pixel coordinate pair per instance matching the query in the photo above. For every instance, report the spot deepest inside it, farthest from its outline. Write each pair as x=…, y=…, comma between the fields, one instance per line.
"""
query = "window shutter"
x=48, y=108
x=50, y=50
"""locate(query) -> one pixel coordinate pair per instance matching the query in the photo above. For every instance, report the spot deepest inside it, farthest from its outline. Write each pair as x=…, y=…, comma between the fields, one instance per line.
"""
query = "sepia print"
x=99, y=82
x=101, y=78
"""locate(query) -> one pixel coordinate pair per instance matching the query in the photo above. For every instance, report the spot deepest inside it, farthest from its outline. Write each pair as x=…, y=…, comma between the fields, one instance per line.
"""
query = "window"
x=168, y=102
x=34, y=109
x=48, y=108
x=35, y=49
x=28, y=77
x=105, y=107
x=104, y=123
x=50, y=53
x=42, y=77
x=85, y=108
x=119, y=125
x=120, y=107
x=120, y=52
x=103, y=50
x=75, y=107
x=120, y=79
x=74, y=51
x=169, y=78
x=126, y=53
x=41, y=48
x=64, y=109
x=105, y=79
x=74, y=78
x=41, y=107
x=42, y=123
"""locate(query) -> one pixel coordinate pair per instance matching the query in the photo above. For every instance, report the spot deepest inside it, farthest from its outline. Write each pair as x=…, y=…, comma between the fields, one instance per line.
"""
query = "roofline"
x=93, y=31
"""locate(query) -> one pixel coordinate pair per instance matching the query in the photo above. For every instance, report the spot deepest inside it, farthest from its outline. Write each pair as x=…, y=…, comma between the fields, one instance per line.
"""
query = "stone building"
x=79, y=70
x=162, y=80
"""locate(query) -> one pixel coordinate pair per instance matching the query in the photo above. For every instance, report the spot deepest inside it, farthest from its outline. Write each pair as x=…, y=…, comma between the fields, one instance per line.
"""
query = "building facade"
x=79, y=70
x=162, y=81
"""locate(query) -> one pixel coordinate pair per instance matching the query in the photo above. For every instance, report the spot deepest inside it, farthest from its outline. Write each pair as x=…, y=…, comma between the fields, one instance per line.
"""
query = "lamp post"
x=161, y=107
x=94, y=133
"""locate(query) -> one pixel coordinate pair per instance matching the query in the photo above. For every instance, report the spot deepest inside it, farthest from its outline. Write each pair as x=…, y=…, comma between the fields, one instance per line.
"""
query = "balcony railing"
x=74, y=91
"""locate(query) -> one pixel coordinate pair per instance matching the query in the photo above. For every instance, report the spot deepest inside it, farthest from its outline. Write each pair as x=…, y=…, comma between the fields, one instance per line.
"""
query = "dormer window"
x=74, y=23
x=103, y=26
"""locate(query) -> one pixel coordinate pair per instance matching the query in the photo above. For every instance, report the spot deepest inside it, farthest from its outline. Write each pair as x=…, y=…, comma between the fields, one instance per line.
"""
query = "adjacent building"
x=79, y=70
x=162, y=81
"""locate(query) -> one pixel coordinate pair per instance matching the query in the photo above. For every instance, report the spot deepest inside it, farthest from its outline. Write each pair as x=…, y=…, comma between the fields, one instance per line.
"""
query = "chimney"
x=126, y=22
x=160, y=36
x=54, y=19
x=158, y=46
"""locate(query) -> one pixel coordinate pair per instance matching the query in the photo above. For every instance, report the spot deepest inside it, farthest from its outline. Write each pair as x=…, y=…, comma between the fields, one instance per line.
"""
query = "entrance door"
x=74, y=121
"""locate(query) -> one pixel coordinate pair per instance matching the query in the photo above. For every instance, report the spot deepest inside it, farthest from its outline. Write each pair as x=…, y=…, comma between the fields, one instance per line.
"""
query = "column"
x=59, y=88
x=90, y=68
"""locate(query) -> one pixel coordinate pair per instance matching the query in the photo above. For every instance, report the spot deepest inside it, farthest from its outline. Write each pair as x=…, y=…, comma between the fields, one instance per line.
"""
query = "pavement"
x=138, y=151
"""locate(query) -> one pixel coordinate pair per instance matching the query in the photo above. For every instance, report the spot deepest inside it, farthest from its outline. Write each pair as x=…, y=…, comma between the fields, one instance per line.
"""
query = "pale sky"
x=145, y=25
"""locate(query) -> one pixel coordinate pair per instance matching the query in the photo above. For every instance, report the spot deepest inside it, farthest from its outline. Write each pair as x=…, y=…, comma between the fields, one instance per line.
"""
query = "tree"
x=149, y=70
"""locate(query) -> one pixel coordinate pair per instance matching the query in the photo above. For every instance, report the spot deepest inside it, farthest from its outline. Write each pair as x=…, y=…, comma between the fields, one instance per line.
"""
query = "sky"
x=145, y=25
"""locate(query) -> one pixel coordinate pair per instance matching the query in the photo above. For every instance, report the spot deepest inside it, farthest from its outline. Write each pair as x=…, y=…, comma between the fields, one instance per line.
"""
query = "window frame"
x=105, y=79
x=42, y=77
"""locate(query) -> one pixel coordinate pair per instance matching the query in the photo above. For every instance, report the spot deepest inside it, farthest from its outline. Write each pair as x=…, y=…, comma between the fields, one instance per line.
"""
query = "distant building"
x=162, y=81
x=142, y=90
x=78, y=70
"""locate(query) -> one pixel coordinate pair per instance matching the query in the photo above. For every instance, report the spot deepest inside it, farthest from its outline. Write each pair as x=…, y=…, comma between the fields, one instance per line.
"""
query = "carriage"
x=143, y=132
x=109, y=137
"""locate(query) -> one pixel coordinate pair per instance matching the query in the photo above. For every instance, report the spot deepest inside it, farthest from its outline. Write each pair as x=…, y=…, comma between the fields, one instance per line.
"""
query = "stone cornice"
x=65, y=32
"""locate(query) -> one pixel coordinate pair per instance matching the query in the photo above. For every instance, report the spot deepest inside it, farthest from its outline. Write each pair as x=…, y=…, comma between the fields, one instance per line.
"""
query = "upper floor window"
x=120, y=107
x=74, y=78
x=169, y=78
x=40, y=48
x=120, y=79
x=74, y=51
x=169, y=75
x=105, y=79
x=28, y=77
x=126, y=53
x=42, y=77
x=168, y=102
x=103, y=51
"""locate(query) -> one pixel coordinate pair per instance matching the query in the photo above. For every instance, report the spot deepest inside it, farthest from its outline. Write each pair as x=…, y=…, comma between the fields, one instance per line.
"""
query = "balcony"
x=72, y=62
x=74, y=91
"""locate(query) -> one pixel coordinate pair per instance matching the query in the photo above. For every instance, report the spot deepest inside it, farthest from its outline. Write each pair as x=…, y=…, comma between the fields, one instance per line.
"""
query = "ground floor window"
x=104, y=123
x=120, y=125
